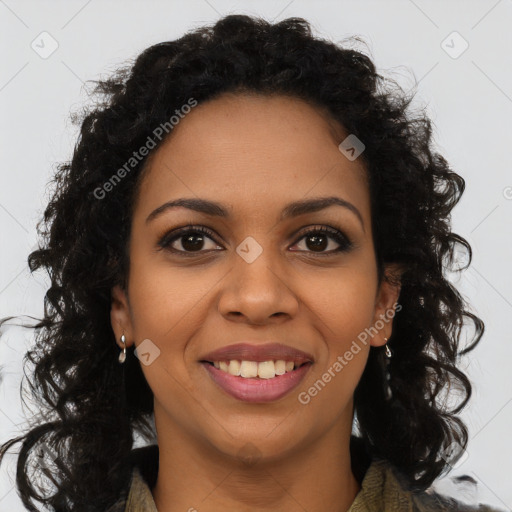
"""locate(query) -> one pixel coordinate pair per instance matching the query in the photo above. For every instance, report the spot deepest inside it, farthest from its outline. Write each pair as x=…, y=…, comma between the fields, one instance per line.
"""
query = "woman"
x=248, y=246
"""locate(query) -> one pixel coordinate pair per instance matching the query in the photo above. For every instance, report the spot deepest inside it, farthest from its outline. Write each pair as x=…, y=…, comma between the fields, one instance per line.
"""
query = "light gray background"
x=469, y=99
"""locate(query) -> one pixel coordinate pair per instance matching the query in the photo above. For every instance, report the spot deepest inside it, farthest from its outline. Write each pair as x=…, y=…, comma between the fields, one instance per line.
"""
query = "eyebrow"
x=294, y=209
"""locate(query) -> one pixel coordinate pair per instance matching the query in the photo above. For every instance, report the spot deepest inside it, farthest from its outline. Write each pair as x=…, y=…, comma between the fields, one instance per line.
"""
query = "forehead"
x=253, y=151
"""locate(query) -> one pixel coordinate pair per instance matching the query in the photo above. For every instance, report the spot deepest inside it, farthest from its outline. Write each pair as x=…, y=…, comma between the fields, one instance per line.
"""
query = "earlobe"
x=120, y=318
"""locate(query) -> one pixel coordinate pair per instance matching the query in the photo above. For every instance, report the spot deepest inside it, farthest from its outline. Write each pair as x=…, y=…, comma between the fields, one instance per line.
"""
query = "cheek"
x=166, y=306
x=343, y=306
x=169, y=305
x=344, y=300
x=342, y=310
x=163, y=297
x=350, y=312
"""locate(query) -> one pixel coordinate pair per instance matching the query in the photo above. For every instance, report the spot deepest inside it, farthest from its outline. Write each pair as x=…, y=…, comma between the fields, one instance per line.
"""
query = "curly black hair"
x=92, y=410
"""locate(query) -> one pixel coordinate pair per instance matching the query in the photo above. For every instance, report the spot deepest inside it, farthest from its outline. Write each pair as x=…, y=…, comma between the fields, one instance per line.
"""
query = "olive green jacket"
x=382, y=490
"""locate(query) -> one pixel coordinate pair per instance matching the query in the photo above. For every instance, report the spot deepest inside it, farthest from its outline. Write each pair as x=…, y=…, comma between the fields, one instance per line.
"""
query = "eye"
x=190, y=238
x=317, y=240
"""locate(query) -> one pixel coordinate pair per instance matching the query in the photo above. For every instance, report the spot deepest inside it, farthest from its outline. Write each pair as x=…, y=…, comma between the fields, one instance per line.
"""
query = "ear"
x=120, y=317
x=386, y=304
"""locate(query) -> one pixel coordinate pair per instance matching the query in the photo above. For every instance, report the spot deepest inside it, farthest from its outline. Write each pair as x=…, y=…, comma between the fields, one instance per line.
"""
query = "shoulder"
x=384, y=489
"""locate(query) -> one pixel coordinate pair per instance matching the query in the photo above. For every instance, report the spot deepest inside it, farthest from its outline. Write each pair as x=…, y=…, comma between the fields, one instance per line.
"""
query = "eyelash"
x=344, y=242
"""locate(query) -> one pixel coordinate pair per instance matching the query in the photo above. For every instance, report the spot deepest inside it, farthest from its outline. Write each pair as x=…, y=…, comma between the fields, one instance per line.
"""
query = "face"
x=255, y=275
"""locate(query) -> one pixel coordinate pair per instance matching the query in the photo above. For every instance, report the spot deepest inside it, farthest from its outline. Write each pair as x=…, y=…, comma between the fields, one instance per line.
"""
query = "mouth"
x=256, y=369
x=253, y=381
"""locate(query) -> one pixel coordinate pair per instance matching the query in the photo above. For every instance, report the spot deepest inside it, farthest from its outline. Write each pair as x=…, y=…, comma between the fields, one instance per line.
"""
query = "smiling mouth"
x=257, y=381
x=256, y=369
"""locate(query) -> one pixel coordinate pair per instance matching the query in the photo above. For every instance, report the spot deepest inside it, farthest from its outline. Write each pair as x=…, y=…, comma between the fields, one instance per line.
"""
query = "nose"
x=258, y=293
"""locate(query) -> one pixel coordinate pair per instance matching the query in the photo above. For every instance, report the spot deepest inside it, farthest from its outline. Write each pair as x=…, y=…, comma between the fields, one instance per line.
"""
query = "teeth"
x=280, y=367
x=234, y=367
x=248, y=369
x=266, y=370
x=251, y=369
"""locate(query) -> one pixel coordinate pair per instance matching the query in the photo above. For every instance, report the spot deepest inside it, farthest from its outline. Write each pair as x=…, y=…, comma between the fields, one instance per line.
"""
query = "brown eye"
x=191, y=240
x=317, y=240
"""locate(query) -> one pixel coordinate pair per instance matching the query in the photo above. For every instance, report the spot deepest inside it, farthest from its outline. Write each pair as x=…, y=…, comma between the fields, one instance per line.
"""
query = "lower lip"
x=256, y=389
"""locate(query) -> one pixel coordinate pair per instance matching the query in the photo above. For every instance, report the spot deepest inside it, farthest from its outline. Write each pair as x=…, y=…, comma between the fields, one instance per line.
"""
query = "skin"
x=254, y=154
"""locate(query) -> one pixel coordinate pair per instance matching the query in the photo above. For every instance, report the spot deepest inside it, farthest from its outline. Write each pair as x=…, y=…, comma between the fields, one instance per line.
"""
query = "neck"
x=196, y=477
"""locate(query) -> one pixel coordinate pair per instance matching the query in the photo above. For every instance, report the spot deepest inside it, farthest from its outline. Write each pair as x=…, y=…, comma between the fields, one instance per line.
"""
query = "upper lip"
x=259, y=353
